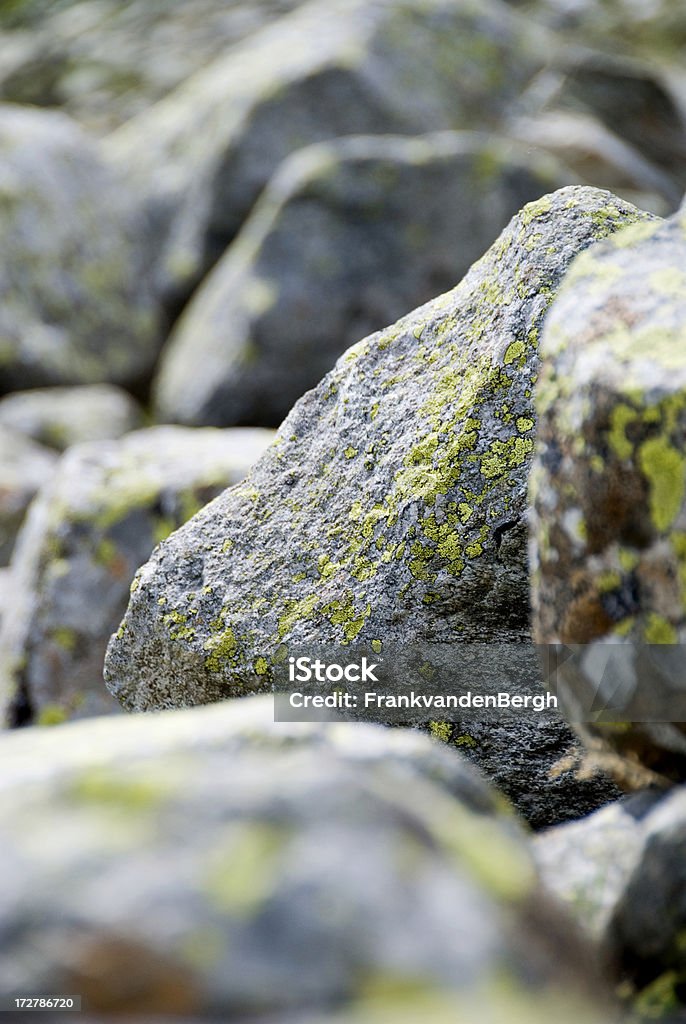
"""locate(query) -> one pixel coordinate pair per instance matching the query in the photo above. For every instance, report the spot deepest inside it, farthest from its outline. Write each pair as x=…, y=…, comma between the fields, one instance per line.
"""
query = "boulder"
x=75, y=307
x=389, y=509
x=230, y=867
x=103, y=61
x=202, y=155
x=24, y=468
x=95, y=521
x=608, y=491
x=62, y=417
x=348, y=236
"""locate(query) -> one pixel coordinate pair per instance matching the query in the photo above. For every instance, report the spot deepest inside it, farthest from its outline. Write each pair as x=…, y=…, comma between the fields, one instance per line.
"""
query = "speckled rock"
x=332, y=68
x=389, y=507
x=349, y=236
x=103, y=61
x=62, y=417
x=92, y=525
x=24, y=468
x=227, y=865
x=75, y=307
x=609, y=496
x=538, y=765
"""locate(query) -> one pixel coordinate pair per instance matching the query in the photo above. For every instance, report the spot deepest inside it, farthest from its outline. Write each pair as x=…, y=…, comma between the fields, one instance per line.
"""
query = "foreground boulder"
x=203, y=154
x=228, y=866
x=94, y=522
x=349, y=236
x=24, y=468
x=62, y=417
x=74, y=303
x=609, y=497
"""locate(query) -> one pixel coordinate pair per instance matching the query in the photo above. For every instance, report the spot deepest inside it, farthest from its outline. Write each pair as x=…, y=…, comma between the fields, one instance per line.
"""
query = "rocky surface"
x=62, y=417
x=24, y=468
x=318, y=867
x=103, y=61
x=74, y=303
x=95, y=521
x=608, y=491
x=348, y=236
x=203, y=154
x=390, y=506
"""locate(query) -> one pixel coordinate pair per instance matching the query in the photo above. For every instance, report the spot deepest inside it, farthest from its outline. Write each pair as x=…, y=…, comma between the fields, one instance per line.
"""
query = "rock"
x=74, y=304
x=203, y=154
x=93, y=524
x=596, y=154
x=608, y=492
x=536, y=764
x=104, y=61
x=390, y=507
x=24, y=467
x=349, y=236
x=232, y=867
x=644, y=938
x=62, y=417
x=588, y=863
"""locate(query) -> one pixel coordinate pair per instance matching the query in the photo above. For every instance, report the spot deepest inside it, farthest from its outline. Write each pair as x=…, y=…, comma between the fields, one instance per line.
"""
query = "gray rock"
x=588, y=863
x=93, y=524
x=24, y=468
x=227, y=866
x=538, y=765
x=608, y=554
x=74, y=304
x=390, y=508
x=62, y=417
x=203, y=154
x=103, y=61
x=348, y=236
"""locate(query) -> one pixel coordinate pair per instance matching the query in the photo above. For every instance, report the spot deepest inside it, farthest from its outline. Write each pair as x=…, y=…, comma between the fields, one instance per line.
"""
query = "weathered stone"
x=24, y=468
x=92, y=525
x=390, y=507
x=74, y=304
x=588, y=863
x=341, y=67
x=103, y=61
x=349, y=236
x=62, y=417
x=538, y=765
x=608, y=489
x=228, y=866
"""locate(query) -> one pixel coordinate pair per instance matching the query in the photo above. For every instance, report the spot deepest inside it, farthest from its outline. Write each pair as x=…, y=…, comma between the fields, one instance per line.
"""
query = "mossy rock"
x=609, y=497
x=231, y=868
x=202, y=155
x=62, y=417
x=76, y=305
x=24, y=467
x=97, y=518
x=390, y=507
x=348, y=236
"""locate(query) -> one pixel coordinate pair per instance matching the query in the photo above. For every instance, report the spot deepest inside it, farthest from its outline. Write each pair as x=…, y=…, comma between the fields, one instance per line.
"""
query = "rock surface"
x=103, y=61
x=74, y=303
x=609, y=496
x=62, y=417
x=389, y=509
x=318, y=867
x=203, y=154
x=24, y=468
x=93, y=524
x=348, y=236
